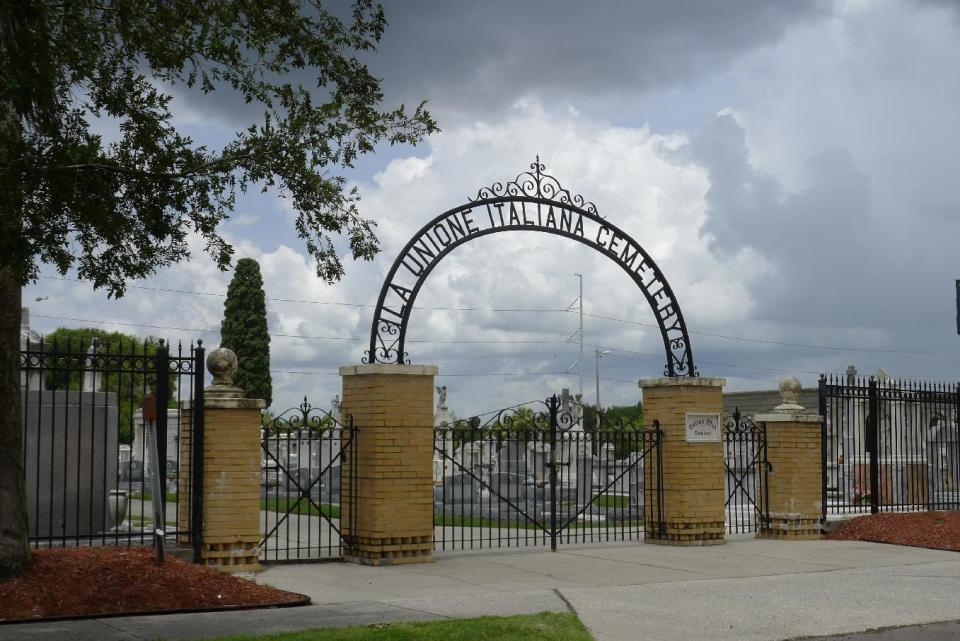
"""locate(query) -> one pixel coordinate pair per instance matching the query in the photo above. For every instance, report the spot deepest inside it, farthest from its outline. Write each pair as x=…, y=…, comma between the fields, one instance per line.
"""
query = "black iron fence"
x=745, y=463
x=88, y=412
x=889, y=444
x=304, y=491
x=531, y=475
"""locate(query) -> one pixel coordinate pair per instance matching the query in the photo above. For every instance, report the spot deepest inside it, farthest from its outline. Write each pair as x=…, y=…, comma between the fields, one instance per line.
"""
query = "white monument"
x=92, y=378
x=443, y=447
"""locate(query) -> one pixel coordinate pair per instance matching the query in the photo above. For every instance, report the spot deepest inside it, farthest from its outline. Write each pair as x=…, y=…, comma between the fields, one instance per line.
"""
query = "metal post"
x=823, y=448
x=196, y=464
x=163, y=400
x=956, y=419
x=767, y=468
x=553, y=472
x=158, y=446
x=661, y=525
x=872, y=438
x=157, y=487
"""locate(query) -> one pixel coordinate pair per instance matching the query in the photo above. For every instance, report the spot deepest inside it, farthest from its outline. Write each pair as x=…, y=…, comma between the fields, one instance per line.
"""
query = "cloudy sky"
x=791, y=166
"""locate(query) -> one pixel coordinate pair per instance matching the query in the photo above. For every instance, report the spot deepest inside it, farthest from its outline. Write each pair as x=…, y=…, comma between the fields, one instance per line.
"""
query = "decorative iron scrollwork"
x=303, y=417
x=535, y=184
x=737, y=425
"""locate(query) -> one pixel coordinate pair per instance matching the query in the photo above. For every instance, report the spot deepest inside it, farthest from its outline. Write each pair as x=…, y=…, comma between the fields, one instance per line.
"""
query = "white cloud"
x=831, y=220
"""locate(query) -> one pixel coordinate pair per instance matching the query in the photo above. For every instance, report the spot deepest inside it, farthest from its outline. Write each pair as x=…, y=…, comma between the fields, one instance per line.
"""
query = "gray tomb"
x=71, y=461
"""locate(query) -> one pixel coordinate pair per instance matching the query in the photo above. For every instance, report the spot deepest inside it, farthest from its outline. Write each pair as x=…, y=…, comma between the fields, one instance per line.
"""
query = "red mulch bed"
x=71, y=582
x=938, y=530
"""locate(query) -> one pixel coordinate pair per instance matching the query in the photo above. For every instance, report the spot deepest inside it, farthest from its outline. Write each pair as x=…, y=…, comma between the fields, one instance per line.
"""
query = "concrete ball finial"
x=222, y=364
x=790, y=389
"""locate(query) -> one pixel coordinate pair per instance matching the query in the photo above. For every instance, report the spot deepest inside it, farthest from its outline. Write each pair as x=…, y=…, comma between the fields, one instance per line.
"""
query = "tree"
x=615, y=414
x=128, y=385
x=121, y=209
x=615, y=419
x=244, y=330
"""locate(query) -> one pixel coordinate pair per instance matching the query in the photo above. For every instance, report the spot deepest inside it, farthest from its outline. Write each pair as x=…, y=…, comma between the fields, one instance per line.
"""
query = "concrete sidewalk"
x=743, y=591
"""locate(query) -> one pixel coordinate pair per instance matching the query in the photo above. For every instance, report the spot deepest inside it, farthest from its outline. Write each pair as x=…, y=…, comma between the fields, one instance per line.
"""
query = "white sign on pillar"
x=703, y=428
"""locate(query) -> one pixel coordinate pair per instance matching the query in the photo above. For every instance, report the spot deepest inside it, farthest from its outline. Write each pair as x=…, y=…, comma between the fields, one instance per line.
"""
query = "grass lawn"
x=284, y=504
x=479, y=522
x=613, y=501
x=545, y=626
x=170, y=497
x=455, y=520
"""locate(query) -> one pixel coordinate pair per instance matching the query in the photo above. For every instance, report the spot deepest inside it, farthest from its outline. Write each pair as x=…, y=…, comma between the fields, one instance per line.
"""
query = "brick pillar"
x=184, y=472
x=693, y=507
x=791, y=504
x=231, y=469
x=391, y=519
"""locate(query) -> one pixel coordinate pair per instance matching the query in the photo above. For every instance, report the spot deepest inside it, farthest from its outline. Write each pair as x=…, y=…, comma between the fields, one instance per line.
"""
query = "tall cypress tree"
x=244, y=330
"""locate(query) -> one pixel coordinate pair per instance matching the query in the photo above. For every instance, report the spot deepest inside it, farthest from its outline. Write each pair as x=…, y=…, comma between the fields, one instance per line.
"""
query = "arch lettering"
x=534, y=201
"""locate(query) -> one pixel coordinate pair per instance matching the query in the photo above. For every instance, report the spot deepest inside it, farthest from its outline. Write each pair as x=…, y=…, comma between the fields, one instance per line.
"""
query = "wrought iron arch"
x=533, y=201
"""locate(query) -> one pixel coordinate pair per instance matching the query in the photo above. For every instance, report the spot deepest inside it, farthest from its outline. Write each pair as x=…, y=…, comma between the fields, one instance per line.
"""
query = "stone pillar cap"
x=676, y=381
x=389, y=368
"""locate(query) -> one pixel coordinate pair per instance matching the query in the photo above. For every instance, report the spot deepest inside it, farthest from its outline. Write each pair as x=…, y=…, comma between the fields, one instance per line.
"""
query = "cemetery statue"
x=91, y=378
x=565, y=399
x=336, y=407
x=441, y=398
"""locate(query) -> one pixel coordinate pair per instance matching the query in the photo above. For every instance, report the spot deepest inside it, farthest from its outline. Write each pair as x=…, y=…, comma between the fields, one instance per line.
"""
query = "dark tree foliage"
x=244, y=330
x=128, y=385
x=615, y=414
x=615, y=417
x=124, y=207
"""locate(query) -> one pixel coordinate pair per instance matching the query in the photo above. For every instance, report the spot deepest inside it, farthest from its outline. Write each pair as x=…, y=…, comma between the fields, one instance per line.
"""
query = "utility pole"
x=579, y=301
x=580, y=361
x=598, y=354
x=958, y=308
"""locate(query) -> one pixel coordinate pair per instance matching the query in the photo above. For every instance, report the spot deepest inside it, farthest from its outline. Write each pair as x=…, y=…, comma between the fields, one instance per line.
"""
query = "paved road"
x=746, y=590
x=949, y=631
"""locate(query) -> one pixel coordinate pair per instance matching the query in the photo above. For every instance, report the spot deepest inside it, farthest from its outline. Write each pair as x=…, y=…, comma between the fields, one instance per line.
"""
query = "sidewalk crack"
x=105, y=623
x=566, y=601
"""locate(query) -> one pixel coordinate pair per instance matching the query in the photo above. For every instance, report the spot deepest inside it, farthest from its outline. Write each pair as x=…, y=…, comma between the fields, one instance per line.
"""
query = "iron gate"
x=889, y=444
x=746, y=467
x=88, y=408
x=531, y=475
x=304, y=491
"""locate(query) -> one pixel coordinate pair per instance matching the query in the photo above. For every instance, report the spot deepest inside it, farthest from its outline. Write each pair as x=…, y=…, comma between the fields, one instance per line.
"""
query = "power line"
x=745, y=339
x=781, y=343
x=124, y=324
x=324, y=302
x=305, y=336
x=704, y=362
x=434, y=341
x=462, y=375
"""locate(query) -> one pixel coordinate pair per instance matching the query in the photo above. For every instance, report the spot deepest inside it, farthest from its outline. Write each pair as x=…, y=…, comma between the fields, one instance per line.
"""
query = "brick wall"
x=231, y=480
x=793, y=498
x=185, y=475
x=693, y=473
x=392, y=407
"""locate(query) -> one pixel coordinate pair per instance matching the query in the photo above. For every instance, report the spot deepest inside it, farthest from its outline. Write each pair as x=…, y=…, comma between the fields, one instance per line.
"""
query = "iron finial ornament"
x=533, y=201
x=535, y=183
